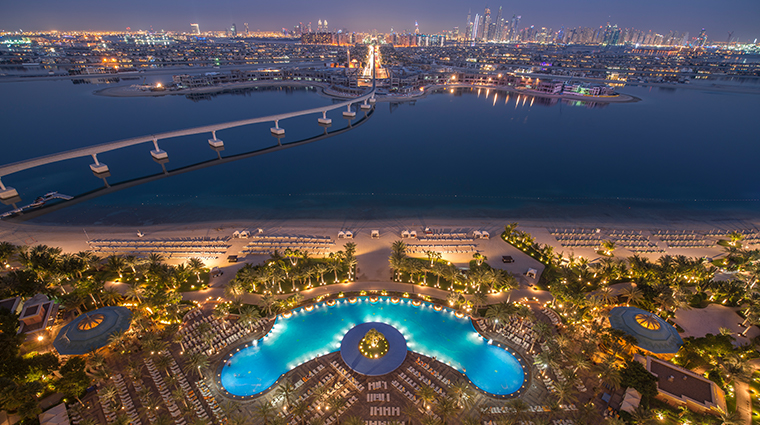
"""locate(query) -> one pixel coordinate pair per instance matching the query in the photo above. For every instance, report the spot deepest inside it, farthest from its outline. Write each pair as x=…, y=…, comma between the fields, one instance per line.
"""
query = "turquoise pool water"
x=307, y=335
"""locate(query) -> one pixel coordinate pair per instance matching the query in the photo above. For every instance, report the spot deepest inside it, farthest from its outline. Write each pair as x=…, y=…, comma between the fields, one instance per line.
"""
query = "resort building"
x=681, y=387
x=653, y=334
x=35, y=314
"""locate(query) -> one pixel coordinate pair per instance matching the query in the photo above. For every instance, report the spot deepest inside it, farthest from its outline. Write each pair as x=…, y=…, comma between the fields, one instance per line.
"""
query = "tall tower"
x=195, y=29
x=487, y=24
x=701, y=38
x=233, y=30
x=416, y=28
x=325, y=28
x=476, y=27
x=499, y=25
x=319, y=25
x=247, y=31
x=468, y=28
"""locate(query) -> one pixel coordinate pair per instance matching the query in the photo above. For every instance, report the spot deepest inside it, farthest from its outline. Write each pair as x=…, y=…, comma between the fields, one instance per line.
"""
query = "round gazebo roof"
x=652, y=332
x=91, y=330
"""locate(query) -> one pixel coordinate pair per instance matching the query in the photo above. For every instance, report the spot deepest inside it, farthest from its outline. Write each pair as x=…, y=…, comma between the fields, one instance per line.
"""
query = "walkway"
x=109, y=146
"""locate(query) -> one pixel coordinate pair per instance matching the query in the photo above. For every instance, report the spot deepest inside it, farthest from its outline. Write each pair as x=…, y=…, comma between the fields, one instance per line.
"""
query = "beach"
x=372, y=253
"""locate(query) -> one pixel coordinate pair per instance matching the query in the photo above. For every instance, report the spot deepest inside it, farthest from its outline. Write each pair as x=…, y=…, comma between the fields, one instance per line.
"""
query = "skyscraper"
x=468, y=28
x=416, y=27
x=701, y=38
x=233, y=30
x=499, y=26
x=195, y=29
x=487, y=24
x=476, y=27
x=247, y=31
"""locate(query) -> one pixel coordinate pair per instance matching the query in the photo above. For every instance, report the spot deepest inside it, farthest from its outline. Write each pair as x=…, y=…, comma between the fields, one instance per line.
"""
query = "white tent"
x=631, y=400
x=55, y=416
x=341, y=234
x=476, y=234
x=485, y=235
x=375, y=234
x=349, y=234
x=405, y=234
x=413, y=234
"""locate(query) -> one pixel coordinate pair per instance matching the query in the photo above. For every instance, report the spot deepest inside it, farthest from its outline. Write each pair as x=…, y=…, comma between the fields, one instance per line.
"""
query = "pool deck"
x=396, y=389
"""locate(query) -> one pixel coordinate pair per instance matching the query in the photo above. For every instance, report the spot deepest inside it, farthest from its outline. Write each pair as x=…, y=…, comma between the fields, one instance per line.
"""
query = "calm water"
x=676, y=153
x=307, y=335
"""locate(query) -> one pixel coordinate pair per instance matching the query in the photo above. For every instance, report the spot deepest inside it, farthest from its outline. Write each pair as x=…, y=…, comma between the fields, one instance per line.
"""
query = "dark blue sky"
x=718, y=16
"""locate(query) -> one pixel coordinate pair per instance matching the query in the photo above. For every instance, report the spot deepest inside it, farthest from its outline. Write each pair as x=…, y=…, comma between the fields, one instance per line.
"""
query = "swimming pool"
x=309, y=334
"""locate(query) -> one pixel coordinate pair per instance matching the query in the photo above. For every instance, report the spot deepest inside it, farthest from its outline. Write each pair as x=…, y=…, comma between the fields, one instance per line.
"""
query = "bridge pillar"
x=98, y=167
x=324, y=120
x=215, y=143
x=7, y=192
x=158, y=154
x=349, y=113
x=365, y=106
x=276, y=130
x=372, y=100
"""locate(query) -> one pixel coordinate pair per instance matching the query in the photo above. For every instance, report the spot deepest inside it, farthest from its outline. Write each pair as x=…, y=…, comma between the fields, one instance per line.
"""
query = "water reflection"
x=520, y=99
x=109, y=188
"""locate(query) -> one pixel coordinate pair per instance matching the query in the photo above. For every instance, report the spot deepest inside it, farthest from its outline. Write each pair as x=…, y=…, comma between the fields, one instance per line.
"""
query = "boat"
x=38, y=202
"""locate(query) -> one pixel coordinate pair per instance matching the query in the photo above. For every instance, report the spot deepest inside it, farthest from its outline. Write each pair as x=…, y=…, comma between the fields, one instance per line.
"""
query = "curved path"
x=109, y=146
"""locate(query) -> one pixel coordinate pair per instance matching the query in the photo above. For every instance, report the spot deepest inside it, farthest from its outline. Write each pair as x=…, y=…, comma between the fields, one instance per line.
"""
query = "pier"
x=160, y=155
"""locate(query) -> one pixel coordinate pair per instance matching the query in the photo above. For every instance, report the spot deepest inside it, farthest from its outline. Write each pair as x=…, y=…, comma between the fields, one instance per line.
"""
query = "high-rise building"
x=701, y=38
x=247, y=31
x=499, y=23
x=468, y=28
x=487, y=24
x=233, y=30
x=477, y=31
x=416, y=27
x=325, y=27
x=195, y=29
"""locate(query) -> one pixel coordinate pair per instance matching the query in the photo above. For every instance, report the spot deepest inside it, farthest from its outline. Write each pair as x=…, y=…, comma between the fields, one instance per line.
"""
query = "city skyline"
x=738, y=17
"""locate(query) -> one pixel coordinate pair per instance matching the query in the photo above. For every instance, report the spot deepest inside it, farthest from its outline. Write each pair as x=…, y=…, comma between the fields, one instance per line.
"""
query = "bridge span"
x=9, y=193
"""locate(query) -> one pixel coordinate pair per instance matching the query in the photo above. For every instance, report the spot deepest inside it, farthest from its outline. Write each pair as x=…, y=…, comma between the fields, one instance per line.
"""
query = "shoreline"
x=128, y=91
x=75, y=238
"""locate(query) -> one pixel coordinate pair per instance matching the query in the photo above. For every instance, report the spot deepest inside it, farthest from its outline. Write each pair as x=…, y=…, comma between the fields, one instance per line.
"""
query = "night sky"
x=718, y=17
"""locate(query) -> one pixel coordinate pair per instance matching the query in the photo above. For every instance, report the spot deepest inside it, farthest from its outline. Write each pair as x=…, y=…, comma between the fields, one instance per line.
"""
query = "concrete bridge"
x=9, y=194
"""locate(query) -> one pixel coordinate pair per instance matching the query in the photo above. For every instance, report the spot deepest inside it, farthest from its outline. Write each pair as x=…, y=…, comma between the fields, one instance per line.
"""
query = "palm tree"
x=735, y=237
x=7, y=250
x=111, y=296
x=734, y=418
x=155, y=259
x=286, y=391
x=642, y=416
x=608, y=247
x=321, y=269
x=426, y=394
x=196, y=266
x=336, y=263
x=445, y=408
x=249, y=315
x=220, y=312
x=353, y=420
x=479, y=258
x=565, y=391
x=462, y=394
x=398, y=255
x=195, y=363
x=433, y=256
x=267, y=303
x=632, y=295
x=478, y=299
x=605, y=295
x=115, y=264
